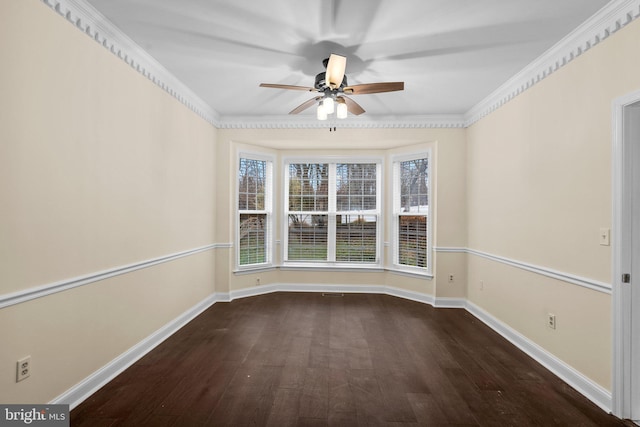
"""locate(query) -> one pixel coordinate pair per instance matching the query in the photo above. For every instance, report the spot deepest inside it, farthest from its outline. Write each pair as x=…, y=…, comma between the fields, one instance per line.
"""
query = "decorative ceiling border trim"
x=370, y=122
x=611, y=18
x=91, y=22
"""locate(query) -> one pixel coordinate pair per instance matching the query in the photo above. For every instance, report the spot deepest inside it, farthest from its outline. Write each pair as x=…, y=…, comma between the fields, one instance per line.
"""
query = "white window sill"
x=410, y=272
x=374, y=268
x=251, y=269
x=333, y=268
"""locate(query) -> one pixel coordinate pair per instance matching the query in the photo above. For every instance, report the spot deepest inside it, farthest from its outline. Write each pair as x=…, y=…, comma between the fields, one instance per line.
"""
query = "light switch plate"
x=605, y=236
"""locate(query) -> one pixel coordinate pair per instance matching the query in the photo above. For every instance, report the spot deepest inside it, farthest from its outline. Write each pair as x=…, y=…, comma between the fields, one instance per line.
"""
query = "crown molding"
x=612, y=17
x=369, y=122
x=91, y=22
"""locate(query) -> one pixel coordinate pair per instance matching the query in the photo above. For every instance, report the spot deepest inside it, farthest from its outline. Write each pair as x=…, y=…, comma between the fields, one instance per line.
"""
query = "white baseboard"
x=591, y=390
x=444, y=302
x=292, y=287
x=81, y=391
x=353, y=289
x=575, y=379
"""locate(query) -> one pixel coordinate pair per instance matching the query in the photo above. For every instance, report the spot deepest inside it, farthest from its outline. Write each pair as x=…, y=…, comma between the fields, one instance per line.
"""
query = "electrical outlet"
x=482, y=285
x=23, y=368
x=258, y=281
x=551, y=320
x=451, y=277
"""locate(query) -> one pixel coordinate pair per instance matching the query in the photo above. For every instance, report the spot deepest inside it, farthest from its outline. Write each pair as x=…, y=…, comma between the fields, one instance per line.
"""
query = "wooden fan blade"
x=335, y=70
x=374, y=88
x=290, y=87
x=305, y=105
x=352, y=106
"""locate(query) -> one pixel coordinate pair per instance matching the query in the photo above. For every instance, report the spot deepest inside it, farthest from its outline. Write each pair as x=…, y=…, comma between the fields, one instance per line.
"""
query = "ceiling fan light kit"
x=329, y=105
x=341, y=109
x=321, y=112
x=333, y=85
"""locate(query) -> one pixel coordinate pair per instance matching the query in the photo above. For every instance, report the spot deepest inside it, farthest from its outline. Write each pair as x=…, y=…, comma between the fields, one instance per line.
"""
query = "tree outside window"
x=411, y=212
x=333, y=212
x=254, y=206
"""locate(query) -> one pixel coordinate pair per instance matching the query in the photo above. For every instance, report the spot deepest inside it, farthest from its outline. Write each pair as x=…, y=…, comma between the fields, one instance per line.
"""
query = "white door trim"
x=621, y=259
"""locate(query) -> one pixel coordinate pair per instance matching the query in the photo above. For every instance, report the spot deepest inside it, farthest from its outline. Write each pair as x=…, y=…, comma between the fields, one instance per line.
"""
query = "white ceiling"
x=451, y=54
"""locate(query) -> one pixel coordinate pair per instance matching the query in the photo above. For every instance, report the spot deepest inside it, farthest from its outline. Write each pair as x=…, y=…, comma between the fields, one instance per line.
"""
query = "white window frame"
x=331, y=262
x=268, y=210
x=396, y=160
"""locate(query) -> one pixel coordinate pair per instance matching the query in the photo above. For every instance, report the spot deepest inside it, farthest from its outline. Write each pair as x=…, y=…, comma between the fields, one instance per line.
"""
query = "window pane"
x=412, y=241
x=356, y=238
x=414, y=185
x=308, y=187
x=356, y=186
x=252, y=178
x=253, y=248
x=369, y=202
x=307, y=237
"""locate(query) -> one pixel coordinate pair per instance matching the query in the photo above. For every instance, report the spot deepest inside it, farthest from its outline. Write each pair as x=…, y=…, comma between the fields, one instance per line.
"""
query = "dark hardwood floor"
x=288, y=359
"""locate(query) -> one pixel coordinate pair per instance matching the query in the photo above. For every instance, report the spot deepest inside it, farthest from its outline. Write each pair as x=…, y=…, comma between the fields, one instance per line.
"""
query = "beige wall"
x=448, y=152
x=539, y=190
x=99, y=168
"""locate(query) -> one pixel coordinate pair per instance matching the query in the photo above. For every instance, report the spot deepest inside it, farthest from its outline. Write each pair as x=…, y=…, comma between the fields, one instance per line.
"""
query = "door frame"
x=622, y=180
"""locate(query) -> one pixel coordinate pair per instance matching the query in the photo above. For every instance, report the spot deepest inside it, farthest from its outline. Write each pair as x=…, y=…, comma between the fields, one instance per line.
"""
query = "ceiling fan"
x=333, y=86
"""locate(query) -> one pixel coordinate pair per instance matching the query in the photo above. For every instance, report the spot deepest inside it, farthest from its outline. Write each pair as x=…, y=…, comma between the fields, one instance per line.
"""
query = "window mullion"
x=331, y=244
x=285, y=215
x=268, y=207
x=396, y=211
x=331, y=249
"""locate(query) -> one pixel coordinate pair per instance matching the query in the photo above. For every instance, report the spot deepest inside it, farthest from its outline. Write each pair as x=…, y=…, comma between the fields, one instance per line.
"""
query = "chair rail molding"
x=544, y=271
x=19, y=297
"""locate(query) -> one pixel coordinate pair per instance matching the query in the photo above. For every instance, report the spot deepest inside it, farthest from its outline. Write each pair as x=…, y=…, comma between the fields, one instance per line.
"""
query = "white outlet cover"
x=23, y=368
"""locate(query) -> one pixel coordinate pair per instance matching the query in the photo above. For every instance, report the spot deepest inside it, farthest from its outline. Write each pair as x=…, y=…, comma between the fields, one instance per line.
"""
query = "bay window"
x=254, y=212
x=332, y=211
x=411, y=203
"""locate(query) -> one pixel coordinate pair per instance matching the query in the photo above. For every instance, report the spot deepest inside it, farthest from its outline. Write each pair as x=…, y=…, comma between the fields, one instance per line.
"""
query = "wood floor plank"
x=368, y=400
x=248, y=398
x=285, y=408
x=304, y=359
x=95, y=422
x=342, y=419
x=426, y=409
x=314, y=396
x=341, y=404
x=394, y=394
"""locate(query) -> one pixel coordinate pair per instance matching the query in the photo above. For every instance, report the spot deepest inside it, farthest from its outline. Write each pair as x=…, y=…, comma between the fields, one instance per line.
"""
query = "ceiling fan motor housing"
x=321, y=83
x=326, y=83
